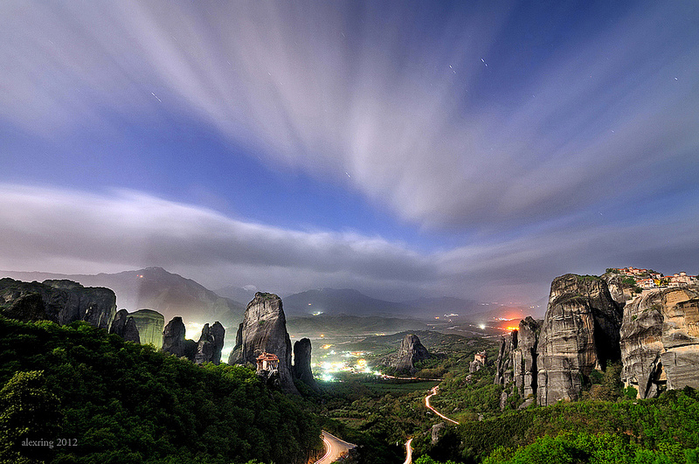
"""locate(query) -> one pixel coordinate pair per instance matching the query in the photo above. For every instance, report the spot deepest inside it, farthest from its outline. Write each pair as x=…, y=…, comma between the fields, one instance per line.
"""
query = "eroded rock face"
x=524, y=357
x=173, y=337
x=264, y=330
x=660, y=341
x=504, y=372
x=124, y=326
x=302, y=363
x=210, y=344
x=411, y=351
x=60, y=301
x=580, y=333
x=150, y=326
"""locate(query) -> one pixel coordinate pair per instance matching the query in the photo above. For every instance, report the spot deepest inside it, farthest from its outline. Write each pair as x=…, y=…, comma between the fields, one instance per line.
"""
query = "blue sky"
x=401, y=148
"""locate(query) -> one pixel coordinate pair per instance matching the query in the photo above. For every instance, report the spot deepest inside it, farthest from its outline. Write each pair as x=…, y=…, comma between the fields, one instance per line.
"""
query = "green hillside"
x=76, y=394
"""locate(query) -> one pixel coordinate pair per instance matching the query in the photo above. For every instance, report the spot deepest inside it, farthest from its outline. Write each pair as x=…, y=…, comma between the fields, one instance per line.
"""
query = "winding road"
x=427, y=403
x=408, y=452
x=334, y=448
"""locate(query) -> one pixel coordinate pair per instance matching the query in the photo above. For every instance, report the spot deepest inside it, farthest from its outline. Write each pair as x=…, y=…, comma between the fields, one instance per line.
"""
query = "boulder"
x=263, y=330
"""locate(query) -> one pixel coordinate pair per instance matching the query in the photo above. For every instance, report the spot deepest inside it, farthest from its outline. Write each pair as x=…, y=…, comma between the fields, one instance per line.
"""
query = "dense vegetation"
x=95, y=398
x=619, y=430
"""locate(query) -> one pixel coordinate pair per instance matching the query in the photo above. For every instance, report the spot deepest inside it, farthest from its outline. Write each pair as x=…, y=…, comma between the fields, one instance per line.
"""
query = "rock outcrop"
x=411, y=351
x=580, y=333
x=173, y=337
x=263, y=330
x=124, y=326
x=660, y=341
x=524, y=357
x=479, y=360
x=517, y=359
x=60, y=301
x=210, y=344
x=504, y=372
x=150, y=326
x=302, y=363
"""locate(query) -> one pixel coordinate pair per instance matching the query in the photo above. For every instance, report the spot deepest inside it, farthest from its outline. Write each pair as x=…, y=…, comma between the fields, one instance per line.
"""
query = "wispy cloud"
x=587, y=157
x=336, y=89
x=78, y=232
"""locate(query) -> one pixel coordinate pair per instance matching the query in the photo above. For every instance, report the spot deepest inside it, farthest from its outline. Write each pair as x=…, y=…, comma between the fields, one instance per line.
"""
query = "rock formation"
x=210, y=344
x=264, y=330
x=660, y=341
x=503, y=364
x=150, y=326
x=517, y=359
x=411, y=351
x=173, y=337
x=479, y=360
x=124, y=326
x=580, y=333
x=60, y=301
x=302, y=363
x=524, y=359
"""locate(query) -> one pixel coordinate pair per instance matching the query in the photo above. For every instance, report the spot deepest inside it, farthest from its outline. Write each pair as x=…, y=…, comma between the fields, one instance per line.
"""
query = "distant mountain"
x=445, y=305
x=242, y=294
x=154, y=288
x=332, y=301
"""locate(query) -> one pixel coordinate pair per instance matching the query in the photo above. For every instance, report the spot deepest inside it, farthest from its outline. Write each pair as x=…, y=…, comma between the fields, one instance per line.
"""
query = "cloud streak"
x=377, y=94
x=581, y=156
x=70, y=231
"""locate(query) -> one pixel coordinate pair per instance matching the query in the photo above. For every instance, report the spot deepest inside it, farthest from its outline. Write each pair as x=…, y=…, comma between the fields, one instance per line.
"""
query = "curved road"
x=427, y=403
x=334, y=448
x=408, y=452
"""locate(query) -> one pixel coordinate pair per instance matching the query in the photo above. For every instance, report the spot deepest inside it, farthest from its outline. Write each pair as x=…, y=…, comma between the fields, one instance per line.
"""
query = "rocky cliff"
x=124, y=326
x=302, y=363
x=517, y=361
x=210, y=344
x=60, y=301
x=592, y=321
x=174, y=341
x=660, y=341
x=150, y=326
x=410, y=352
x=264, y=330
x=580, y=333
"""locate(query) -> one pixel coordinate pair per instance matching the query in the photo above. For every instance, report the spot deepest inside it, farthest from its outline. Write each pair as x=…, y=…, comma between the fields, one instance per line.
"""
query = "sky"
x=473, y=149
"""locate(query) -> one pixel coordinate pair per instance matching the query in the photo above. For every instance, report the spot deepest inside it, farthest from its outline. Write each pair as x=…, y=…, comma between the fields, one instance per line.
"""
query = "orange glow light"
x=512, y=328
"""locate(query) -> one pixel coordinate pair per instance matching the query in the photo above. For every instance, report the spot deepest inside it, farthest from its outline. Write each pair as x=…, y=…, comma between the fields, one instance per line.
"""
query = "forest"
x=76, y=394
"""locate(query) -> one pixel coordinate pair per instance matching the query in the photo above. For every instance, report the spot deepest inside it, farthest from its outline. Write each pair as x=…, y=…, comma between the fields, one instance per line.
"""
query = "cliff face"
x=124, y=326
x=264, y=330
x=518, y=358
x=525, y=356
x=411, y=351
x=302, y=363
x=150, y=326
x=210, y=344
x=660, y=341
x=60, y=301
x=580, y=333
